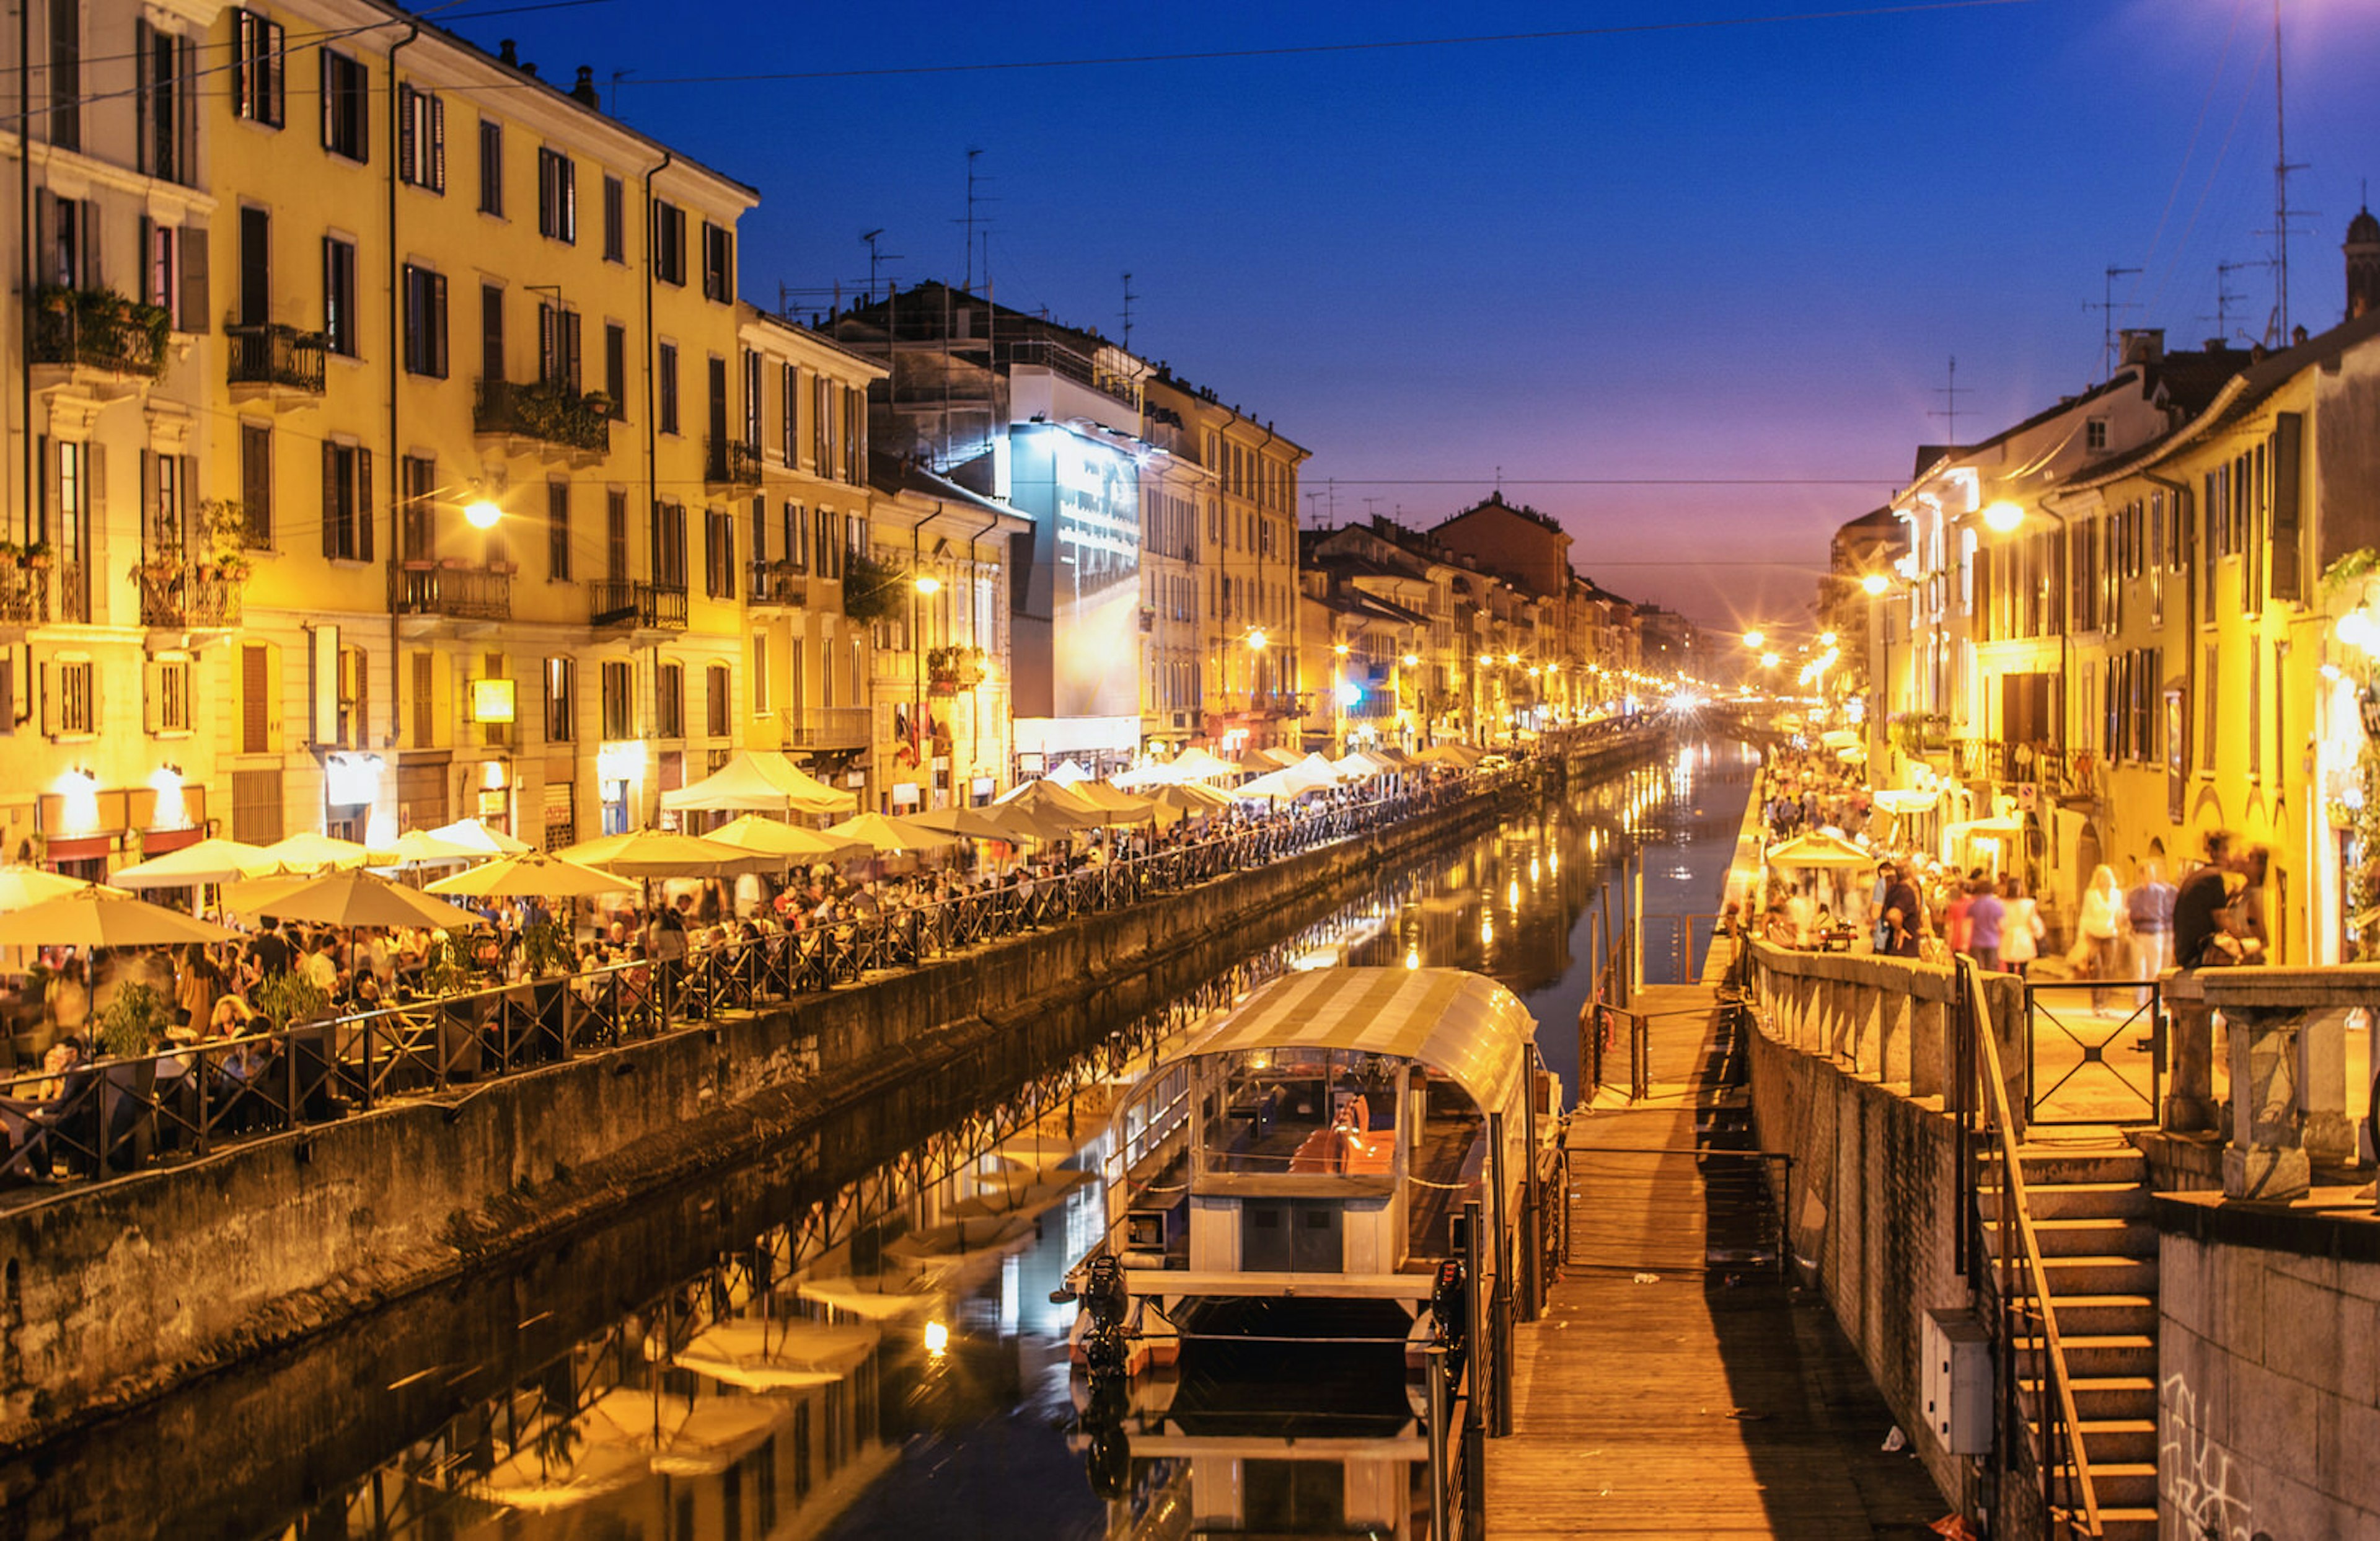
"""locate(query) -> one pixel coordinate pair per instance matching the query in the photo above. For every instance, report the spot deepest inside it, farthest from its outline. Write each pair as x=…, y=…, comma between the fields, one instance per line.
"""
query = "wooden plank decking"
x=1711, y=1402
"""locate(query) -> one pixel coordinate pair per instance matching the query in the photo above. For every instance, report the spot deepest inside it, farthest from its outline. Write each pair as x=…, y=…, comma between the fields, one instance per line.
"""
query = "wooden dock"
x=1677, y=1385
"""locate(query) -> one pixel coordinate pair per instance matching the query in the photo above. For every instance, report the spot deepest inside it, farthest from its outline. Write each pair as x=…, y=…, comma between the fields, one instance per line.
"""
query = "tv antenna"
x=876, y=257
x=975, y=179
x=1128, y=297
x=2107, y=305
x=2225, y=298
x=2279, y=334
x=1951, y=393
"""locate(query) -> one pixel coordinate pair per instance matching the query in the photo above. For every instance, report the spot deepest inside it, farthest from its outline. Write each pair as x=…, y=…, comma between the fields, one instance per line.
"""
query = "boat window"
x=1282, y=1111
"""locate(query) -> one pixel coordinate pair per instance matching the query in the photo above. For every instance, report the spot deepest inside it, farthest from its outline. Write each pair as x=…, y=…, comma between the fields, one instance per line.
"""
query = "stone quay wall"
x=116, y=1292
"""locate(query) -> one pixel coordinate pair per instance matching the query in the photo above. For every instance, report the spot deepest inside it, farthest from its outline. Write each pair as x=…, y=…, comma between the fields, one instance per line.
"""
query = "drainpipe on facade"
x=25, y=261
x=395, y=457
x=653, y=453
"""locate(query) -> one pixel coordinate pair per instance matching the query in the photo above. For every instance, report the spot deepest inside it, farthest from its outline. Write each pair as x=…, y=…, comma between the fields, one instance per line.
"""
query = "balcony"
x=2060, y=775
x=729, y=463
x=181, y=596
x=24, y=594
x=776, y=585
x=825, y=727
x=97, y=340
x=546, y=420
x=452, y=591
x=277, y=364
x=637, y=606
x=1275, y=703
x=1061, y=361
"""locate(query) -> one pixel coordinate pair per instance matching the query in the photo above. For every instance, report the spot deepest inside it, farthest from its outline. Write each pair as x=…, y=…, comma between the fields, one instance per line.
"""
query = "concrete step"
x=2126, y=1397
x=2091, y=1356
x=2105, y=1238
x=2120, y=1439
x=2083, y=1273
x=2128, y=1524
x=2075, y=1201
x=2050, y=1163
x=2100, y=1315
x=2123, y=1483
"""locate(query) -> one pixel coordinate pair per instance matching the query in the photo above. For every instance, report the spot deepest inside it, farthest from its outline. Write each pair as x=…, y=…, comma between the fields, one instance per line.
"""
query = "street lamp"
x=2003, y=517
x=481, y=513
x=1755, y=637
x=1876, y=583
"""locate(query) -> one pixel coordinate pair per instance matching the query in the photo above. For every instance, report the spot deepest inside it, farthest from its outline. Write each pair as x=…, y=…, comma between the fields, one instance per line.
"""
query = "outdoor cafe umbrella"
x=1821, y=850
x=1018, y=823
x=1295, y=782
x=475, y=834
x=773, y=837
x=209, y=861
x=755, y=782
x=1069, y=773
x=1197, y=763
x=21, y=886
x=975, y=823
x=420, y=848
x=661, y=854
x=105, y=917
x=1117, y=805
x=530, y=874
x=349, y=898
x=1902, y=800
x=310, y=851
x=889, y=836
x=1053, y=804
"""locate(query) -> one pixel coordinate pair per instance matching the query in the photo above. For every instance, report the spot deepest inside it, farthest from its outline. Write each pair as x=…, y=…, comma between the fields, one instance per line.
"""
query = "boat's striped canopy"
x=1459, y=1024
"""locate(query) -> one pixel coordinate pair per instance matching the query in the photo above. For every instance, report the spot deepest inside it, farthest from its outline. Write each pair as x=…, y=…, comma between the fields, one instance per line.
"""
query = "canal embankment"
x=118, y=1291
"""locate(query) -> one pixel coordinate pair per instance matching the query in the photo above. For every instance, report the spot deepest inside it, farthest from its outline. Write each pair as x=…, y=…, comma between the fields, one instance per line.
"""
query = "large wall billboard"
x=1085, y=499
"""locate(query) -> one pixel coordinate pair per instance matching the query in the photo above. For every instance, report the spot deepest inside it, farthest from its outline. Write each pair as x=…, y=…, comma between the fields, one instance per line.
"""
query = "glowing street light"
x=2002, y=516
x=1876, y=583
x=1755, y=637
x=927, y=583
x=1825, y=639
x=1769, y=660
x=1257, y=641
x=482, y=513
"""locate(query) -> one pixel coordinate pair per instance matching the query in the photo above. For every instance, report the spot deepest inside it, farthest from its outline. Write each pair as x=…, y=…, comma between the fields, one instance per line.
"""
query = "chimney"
x=508, y=53
x=2144, y=345
x=530, y=70
x=583, y=92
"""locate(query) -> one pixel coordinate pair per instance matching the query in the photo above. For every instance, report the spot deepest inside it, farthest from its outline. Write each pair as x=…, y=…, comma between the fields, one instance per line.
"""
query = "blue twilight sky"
x=1717, y=252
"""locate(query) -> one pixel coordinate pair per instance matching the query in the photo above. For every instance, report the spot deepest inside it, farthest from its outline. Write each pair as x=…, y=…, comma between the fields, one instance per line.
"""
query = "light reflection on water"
x=907, y=1374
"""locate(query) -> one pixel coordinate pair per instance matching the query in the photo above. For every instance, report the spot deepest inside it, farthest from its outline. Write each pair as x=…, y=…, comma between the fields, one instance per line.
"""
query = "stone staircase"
x=2089, y=1216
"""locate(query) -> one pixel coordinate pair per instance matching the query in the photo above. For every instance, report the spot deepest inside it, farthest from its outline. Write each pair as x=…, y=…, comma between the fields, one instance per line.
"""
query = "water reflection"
x=874, y=1354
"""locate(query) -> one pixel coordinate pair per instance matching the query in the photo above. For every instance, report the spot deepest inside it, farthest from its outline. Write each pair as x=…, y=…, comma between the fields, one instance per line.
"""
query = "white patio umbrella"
x=661, y=854
x=1069, y=772
x=349, y=898
x=891, y=836
x=420, y=848
x=311, y=852
x=1198, y=763
x=105, y=917
x=209, y=861
x=476, y=834
x=531, y=875
x=757, y=783
x=23, y=886
x=773, y=837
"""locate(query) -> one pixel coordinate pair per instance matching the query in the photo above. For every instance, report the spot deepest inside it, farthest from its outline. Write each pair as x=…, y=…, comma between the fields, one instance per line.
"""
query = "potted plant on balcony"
x=37, y=556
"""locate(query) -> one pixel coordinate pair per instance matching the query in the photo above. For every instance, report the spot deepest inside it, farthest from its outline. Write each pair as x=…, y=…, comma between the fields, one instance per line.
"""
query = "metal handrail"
x=2016, y=1222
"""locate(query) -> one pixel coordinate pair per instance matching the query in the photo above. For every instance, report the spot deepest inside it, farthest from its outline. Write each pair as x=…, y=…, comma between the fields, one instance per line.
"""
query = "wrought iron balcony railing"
x=460, y=593
x=825, y=727
x=550, y=414
x=646, y=606
x=778, y=584
x=730, y=463
x=188, y=596
x=100, y=330
x=277, y=354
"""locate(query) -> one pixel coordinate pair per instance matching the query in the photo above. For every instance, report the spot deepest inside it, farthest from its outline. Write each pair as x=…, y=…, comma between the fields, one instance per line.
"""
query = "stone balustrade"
x=2288, y=1059
x=1890, y=1019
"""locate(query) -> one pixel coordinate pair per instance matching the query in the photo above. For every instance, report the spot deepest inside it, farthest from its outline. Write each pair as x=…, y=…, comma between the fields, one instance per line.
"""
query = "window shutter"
x=438, y=144
x=329, y=110
x=194, y=278
x=363, y=534
x=330, y=499
x=2288, y=461
x=144, y=141
x=94, y=273
x=437, y=324
x=569, y=202
x=149, y=276
x=49, y=698
x=148, y=516
x=46, y=220
x=271, y=671
x=409, y=141
x=276, y=63
x=152, y=683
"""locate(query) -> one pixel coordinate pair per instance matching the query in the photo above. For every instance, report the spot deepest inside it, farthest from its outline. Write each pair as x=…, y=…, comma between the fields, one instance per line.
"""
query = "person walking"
x=1986, y=916
x=1904, y=918
x=2020, y=928
x=2149, y=914
x=2102, y=924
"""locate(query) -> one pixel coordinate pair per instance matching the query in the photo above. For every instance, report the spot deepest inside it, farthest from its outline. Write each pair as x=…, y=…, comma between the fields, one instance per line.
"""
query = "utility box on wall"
x=1957, y=1383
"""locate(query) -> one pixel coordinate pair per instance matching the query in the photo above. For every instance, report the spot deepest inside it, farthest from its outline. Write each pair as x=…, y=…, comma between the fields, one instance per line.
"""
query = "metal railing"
x=548, y=413
x=730, y=463
x=185, y=597
x=24, y=595
x=824, y=727
x=647, y=606
x=95, y=329
x=2118, y=1056
x=459, y=592
x=277, y=354
x=776, y=583
x=121, y=1113
x=2024, y=1316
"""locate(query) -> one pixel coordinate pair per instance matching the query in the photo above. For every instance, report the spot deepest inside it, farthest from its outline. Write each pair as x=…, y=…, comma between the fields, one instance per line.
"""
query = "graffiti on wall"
x=2206, y=1493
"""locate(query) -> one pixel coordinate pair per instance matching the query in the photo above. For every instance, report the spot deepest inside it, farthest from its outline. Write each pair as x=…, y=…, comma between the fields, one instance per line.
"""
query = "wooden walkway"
x=1667, y=1394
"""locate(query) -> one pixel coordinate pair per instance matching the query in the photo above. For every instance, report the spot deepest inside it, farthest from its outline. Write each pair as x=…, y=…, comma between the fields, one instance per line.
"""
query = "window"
x=256, y=482
x=347, y=503
x=491, y=331
x=259, y=62
x=416, y=509
x=760, y=671
x=854, y=436
x=557, y=529
x=557, y=195
x=346, y=104
x=339, y=295
x=619, y=700
x=718, y=263
x=669, y=244
x=821, y=424
x=66, y=74
x=2094, y=434
x=615, y=221
x=669, y=545
x=557, y=347
x=718, y=554
x=669, y=702
x=795, y=529
x=615, y=535
x=420, y=138
x=425, y=322
x=76, y=708
x=830, y=544
x=716, y=704
x=491, y=167
x=167, y=132
x=665, y=374
x=790, y=408
x=168, y=696
x=561, y=700
x=615, y=367
x=162, y=276
x=752, y=394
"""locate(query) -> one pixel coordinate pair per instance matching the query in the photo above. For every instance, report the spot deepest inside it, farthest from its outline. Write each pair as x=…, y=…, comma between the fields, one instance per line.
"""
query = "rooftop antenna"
x=1371, y=509
x=617, y=76
x=2224, y=297
x=1314, y=510
x=1949, y=409
x=876, y=255
x=974, y=198
x=2279, y=334
x=1128, y=297
x=2107, y=305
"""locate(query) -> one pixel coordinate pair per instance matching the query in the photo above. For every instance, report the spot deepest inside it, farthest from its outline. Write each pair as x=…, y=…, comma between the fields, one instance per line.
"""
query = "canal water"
x=854, y=1339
